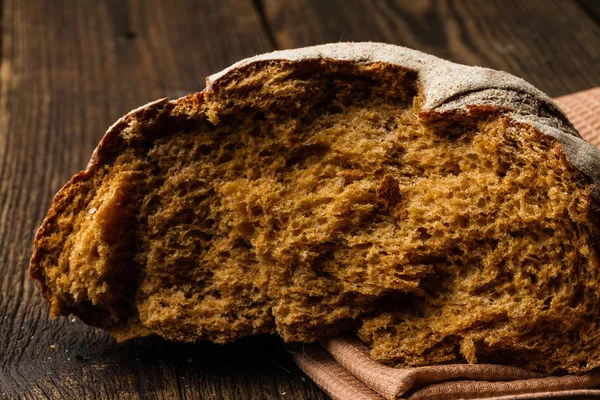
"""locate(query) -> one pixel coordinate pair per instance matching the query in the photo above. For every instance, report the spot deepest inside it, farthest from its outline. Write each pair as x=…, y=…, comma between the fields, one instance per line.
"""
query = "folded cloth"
x=343, y=368
x=583, y=110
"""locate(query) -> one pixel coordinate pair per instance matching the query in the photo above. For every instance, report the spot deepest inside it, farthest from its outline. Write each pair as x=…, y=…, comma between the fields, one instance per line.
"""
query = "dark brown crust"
x=109, y=143
x=308, y=64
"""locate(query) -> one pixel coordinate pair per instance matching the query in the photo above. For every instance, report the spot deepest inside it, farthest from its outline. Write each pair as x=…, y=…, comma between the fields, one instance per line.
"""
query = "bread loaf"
x=444, y=213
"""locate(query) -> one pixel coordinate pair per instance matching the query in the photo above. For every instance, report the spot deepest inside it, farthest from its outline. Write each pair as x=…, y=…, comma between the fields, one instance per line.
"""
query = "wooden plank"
x=67, y=71
x=592, y=7
x=553, y=44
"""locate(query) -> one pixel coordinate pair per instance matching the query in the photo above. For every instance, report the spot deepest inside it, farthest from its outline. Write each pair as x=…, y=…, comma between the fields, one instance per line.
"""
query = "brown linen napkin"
x=583, y=110
x=343, y=368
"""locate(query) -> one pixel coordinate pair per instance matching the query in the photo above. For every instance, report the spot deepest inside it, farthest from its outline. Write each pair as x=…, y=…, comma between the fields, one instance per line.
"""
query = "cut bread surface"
x=317, y=196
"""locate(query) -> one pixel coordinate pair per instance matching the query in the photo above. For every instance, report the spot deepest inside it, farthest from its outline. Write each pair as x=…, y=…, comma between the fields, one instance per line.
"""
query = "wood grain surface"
x=68, y=69
x=554, y=44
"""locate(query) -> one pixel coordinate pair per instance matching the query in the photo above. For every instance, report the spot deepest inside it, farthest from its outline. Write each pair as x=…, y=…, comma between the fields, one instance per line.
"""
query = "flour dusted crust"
x=206, y=218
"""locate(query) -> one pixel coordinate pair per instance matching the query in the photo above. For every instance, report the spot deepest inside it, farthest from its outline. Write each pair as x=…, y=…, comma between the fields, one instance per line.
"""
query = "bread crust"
x=109, y=142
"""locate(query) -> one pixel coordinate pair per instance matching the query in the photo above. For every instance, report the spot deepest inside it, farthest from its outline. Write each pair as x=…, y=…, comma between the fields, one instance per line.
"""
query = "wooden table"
x=70, y=68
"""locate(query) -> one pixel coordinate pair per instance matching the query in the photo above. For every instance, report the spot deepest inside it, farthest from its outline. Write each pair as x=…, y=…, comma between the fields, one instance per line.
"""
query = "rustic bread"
x=445, y=213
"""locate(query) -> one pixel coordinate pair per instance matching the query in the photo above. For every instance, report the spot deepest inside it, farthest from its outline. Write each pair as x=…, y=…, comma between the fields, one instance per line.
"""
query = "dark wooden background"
x=68, y=69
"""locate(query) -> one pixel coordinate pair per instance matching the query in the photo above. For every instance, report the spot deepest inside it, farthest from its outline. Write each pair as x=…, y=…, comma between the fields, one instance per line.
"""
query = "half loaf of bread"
x=444, y=213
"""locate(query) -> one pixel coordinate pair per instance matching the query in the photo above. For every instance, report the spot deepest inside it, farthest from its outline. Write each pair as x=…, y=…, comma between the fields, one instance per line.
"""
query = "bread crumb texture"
x=313, y=198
